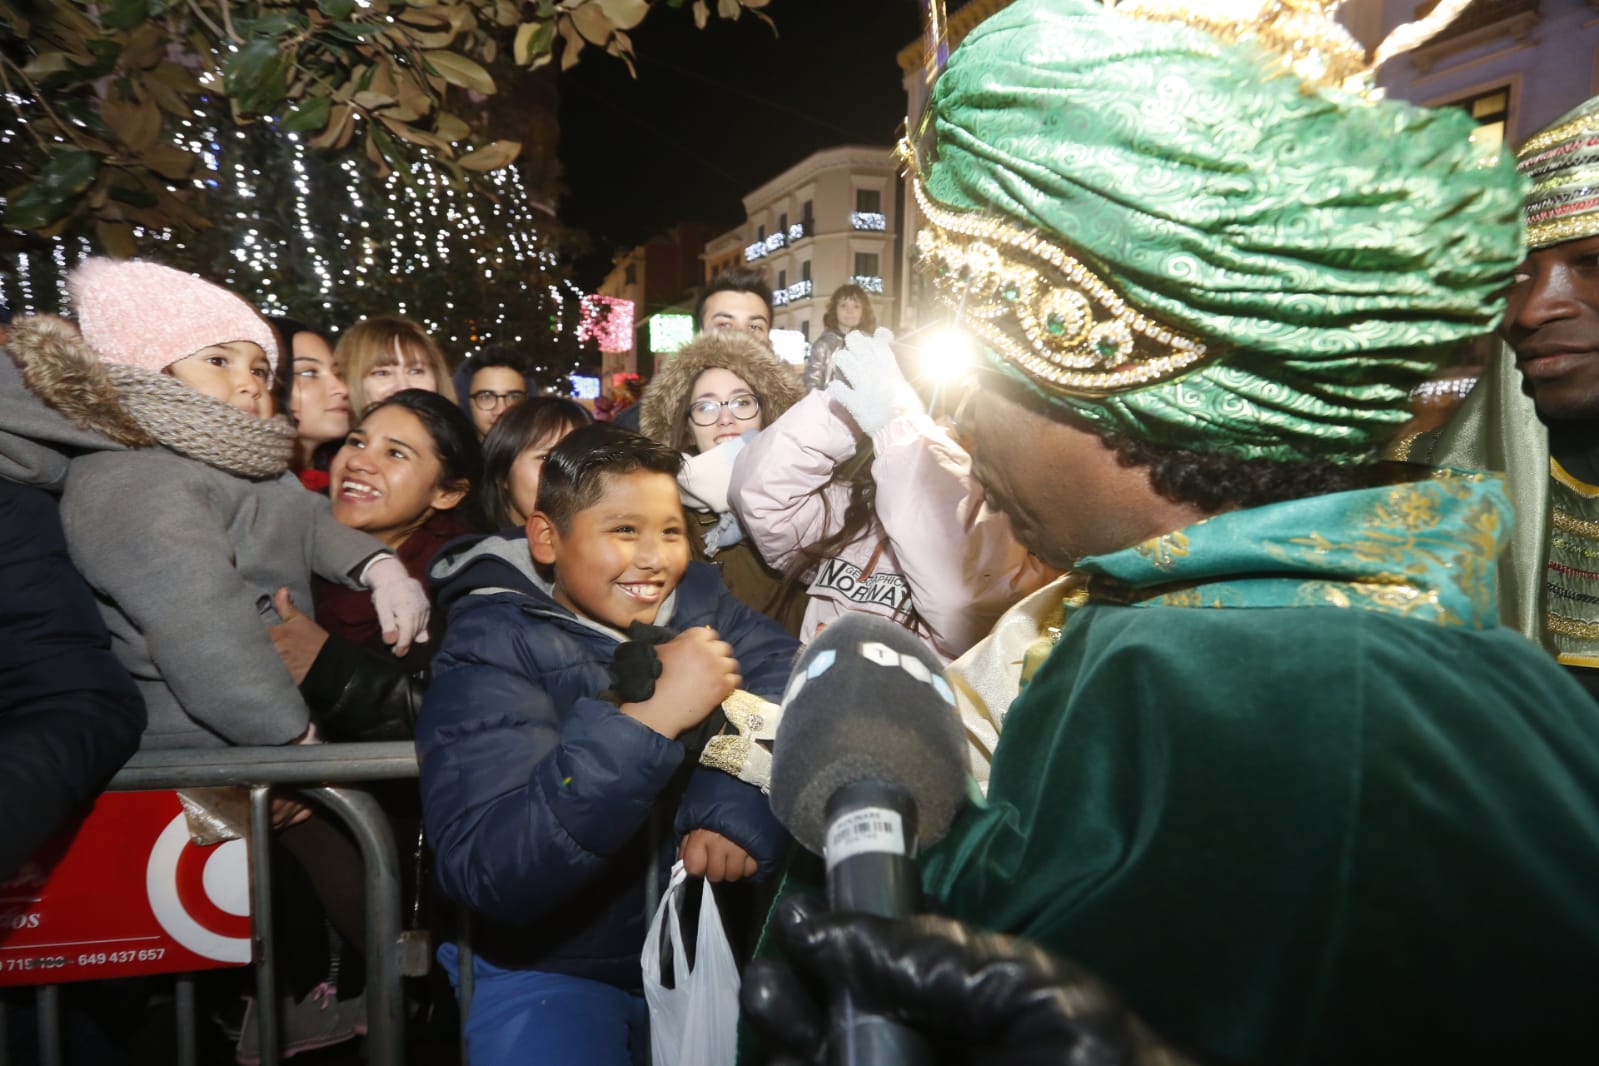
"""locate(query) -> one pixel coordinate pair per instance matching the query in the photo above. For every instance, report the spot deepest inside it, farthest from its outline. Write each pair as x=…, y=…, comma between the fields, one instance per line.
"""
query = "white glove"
x=869, y=384
x=400, y=603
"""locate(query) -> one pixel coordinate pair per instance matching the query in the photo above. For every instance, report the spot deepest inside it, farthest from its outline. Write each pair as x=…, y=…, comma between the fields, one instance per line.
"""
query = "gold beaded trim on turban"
x=1042, y=309
x=1563, y=164
x=1305, y=34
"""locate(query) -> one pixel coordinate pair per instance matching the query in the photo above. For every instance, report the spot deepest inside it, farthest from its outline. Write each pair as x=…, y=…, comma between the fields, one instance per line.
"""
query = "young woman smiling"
x=309, y=389
x=407, y=474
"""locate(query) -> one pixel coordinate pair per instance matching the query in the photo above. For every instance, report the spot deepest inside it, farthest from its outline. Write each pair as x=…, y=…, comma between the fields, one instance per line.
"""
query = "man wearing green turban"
x=1280, y=777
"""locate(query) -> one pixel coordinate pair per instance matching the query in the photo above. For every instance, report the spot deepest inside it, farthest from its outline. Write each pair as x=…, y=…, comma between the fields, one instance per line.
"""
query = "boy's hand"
x=708, y=854
x=698, y=672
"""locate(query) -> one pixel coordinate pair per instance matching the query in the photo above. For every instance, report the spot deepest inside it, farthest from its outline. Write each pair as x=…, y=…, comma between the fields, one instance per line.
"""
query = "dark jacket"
x=357, y=690
x=551, y=812
x=69, y=714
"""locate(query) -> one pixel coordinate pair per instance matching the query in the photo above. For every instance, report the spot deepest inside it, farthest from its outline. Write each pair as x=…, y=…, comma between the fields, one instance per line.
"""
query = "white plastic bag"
x=695, y=1022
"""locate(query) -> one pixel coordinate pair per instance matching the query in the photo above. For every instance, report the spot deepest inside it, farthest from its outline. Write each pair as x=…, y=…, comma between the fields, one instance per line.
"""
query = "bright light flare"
x=946, y=357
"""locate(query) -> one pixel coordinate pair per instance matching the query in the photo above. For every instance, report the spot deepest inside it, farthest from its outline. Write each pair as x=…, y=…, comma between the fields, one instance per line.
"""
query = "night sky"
x=715, y=113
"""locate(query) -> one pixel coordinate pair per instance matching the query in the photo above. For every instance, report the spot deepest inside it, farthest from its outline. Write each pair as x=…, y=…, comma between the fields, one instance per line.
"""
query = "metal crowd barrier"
x=317, y=772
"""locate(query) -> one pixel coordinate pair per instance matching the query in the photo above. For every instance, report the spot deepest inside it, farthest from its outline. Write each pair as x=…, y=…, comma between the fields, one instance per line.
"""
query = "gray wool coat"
x=184, y=559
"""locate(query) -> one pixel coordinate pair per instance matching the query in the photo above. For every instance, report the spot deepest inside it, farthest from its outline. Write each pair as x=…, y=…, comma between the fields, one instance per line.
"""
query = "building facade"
x=661, y=276
x=1514, y=65
x=830, y=220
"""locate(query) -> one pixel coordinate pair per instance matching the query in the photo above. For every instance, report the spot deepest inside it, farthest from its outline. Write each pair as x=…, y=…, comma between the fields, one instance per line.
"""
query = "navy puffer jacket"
x=547, y=806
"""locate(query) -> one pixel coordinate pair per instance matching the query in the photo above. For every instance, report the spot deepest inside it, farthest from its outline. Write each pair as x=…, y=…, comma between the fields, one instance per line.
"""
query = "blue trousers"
x=532, y=1018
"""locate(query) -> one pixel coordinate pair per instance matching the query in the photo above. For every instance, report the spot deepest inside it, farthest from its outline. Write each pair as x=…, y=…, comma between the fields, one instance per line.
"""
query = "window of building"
x=805, y=329
x=805, y=270
x=782, y=279
x=760, y=233
x=805, y=215
x=869, y=201
x=782, y=222
x=631, y=274
x=1491, y=111
x=866, y=264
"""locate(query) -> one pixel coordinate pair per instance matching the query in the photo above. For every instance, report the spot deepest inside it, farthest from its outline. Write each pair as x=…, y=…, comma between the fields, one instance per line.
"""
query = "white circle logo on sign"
x=224, y=881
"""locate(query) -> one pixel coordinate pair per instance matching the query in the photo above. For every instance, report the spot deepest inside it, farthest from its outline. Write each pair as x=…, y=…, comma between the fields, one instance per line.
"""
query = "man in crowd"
x=1281, y=777
x=737, y=298
x=492, y=382
x=1535, y=414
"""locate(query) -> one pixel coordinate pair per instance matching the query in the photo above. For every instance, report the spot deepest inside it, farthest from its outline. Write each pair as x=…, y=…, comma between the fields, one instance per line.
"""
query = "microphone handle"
x=871, y=869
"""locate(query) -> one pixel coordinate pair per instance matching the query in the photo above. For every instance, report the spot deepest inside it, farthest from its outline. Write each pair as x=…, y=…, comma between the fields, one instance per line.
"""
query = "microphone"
x=869, y=762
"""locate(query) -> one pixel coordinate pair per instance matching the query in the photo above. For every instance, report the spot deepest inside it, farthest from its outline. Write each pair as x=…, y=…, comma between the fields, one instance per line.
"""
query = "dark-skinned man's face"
x=1553, y=324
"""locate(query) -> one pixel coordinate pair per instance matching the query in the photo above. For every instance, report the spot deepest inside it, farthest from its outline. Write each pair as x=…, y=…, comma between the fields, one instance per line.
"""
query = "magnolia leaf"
x=452, y=128
x=122, y=14
x=459, y=70
x=337, y=9
x=573, y=44
x=380, y=149
x=168, y=160
x=533, y=39
x=370, y=101
x=45, y=64
x=625, y=14
x=116, y=239
x=729, y=9
x=415, y=100
x=592, y=23
x=54, y=193
x=492, y=156
x=311, y=114
x=136, y=123
x=336, y=134
x=702, y=14
x=415, y=136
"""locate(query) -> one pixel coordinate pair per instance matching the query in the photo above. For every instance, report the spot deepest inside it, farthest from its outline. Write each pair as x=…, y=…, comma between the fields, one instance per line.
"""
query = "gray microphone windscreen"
x=867, y=701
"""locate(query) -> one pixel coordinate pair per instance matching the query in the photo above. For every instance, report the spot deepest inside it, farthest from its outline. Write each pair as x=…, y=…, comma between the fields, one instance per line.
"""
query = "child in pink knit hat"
x=187, y=521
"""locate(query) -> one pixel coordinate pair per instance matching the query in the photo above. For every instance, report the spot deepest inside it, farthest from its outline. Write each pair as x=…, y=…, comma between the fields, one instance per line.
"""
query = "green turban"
x=1293, y=259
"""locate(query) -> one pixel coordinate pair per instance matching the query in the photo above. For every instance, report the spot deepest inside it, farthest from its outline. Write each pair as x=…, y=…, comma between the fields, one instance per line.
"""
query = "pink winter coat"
x=937, y=546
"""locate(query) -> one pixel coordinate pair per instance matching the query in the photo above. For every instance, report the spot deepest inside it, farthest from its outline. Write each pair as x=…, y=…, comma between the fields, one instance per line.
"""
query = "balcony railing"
x=870, y=282
x=868, y=220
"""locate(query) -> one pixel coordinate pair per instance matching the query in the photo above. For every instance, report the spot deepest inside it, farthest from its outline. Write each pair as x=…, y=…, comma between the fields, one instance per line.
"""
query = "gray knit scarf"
x=199, y=427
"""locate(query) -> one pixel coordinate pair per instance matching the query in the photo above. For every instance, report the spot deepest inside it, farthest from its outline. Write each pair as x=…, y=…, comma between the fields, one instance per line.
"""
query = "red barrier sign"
x=125, y=892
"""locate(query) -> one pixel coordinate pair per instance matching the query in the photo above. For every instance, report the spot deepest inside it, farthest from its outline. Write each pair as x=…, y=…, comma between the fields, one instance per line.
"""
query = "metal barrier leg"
x=385, y=1011
x=266, y=970
x=187, y=1022
x=48, y=1005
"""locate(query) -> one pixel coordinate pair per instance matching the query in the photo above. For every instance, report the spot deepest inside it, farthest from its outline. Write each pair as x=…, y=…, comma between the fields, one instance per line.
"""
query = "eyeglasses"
x=708, y=412
x=488, y=399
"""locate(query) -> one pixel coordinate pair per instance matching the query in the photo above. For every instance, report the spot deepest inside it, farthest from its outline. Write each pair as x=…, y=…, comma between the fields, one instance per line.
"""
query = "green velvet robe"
x=1288, y=785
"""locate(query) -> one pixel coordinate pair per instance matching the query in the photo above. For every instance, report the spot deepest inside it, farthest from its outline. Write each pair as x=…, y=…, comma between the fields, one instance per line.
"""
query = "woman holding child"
x=406, y=474
x=188, y=521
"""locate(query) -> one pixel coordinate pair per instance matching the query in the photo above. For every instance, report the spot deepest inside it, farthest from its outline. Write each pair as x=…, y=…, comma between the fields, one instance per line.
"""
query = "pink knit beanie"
x=150, y=316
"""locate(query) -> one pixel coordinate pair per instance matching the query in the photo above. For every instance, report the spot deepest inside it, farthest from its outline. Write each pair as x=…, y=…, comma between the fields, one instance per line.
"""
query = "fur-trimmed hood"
x=664, y=405
x=137, y=408
x=63, y=371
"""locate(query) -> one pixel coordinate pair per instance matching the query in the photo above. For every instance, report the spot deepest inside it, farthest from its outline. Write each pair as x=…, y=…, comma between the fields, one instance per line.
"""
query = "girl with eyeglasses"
x=713, y=396
x=869, y=505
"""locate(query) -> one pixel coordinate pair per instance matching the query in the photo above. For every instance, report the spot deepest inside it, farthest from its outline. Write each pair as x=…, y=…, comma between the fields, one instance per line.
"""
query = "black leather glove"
x=980, y=997
x=635, y=666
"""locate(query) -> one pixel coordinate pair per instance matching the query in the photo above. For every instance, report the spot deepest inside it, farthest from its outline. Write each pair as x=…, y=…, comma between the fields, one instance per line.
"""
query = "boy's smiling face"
x=621, y=557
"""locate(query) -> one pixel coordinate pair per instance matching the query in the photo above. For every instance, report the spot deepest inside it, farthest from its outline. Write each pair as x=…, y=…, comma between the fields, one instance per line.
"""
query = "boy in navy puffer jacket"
x=553, y=804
